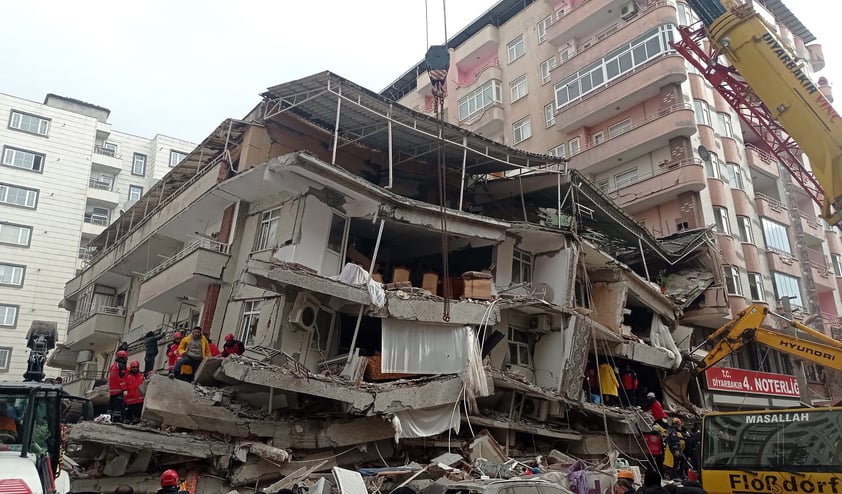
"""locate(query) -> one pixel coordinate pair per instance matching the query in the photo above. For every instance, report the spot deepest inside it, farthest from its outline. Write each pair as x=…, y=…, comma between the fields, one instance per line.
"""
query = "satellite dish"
x=704, y=153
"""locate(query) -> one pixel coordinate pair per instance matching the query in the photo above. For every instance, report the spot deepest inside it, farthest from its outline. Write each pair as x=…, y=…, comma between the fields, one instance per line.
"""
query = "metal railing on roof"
x=192, y=246
x=102, y=309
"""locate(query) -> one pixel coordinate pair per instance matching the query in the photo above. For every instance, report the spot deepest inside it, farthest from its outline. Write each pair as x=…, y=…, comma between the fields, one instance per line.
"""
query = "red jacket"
x=172, y=355
x=629, y=381
x=214, y=350
x=116, y=379
x=657, y=410
x=133, y=382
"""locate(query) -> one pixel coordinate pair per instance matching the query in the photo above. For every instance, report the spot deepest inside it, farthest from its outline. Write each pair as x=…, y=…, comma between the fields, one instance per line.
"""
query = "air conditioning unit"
x=540, y=323
x=304, y=312
x=535, y=409
x=628, y=10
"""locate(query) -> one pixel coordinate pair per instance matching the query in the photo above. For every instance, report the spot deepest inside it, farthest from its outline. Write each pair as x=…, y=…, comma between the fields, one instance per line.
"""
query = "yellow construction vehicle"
x=792, y=106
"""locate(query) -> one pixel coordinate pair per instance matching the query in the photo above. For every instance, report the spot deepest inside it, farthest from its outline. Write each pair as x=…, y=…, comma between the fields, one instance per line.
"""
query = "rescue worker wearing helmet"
x=232, y=346
x=625, y=482
x=172, y=351
x=117, y=385
x=170, y=483
x=134, y=400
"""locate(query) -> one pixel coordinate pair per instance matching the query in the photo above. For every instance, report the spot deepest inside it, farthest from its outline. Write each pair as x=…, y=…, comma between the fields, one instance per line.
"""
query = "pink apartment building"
x=597, y=81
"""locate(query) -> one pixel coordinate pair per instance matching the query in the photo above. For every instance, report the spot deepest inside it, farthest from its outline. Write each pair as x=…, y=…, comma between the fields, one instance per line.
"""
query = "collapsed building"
x=313, y=230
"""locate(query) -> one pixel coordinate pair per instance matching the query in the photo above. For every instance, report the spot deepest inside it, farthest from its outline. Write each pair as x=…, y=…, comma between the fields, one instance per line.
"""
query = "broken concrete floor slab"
x=133, y=438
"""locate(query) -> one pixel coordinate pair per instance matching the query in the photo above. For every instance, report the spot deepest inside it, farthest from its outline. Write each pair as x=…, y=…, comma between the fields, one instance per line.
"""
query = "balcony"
x=812, y=226
x=183, y=277
x=478, y=46
x=644, y=136
x=783, y=262
x=642, y=83
x=476, y=77
x=822, y=274
x=583, y=20
x=771, y=208
x=96, y=330
x=103, y=192
x=488, y=122
x=762, y=161
x=107, y=158
x=94, y=224
x=668, y=182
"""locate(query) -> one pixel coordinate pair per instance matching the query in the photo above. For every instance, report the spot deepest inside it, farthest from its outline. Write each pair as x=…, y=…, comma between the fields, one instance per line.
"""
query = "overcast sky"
x=180, y=67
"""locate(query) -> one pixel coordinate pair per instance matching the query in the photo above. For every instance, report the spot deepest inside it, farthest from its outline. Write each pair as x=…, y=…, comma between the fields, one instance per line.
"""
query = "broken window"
x=336, y=237
x=248, y=321
x=732, y=281
x=268, y=231
x=521, y=267
x=322, y=332
x=519, y=349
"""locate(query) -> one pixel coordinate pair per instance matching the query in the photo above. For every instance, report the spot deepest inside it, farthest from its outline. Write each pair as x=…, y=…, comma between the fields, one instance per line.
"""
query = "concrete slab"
x=430, y=310
x=330, y=433
x=130, y=438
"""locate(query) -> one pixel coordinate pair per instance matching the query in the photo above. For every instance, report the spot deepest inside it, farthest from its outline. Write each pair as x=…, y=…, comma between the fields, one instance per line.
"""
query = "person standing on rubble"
x=117, y=385
x=134, y=400
x=653, y=405
x=675, y=463
x=150, y=342
x=232, y=346
x=629, y=381
x=172, y=351
x=192, y=350
x=609, y=386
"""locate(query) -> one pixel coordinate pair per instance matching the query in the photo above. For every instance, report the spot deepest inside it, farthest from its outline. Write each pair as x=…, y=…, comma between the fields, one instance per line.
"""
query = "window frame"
x=777, y=288
x=511, y=48
x=249, y=310
x=524, y=260
x=545, y=69
x=755, y=283
x=7, y=185
x=542, y=26
x=133, y=188
x=713, y=166
x=519, y=85
x=175, y=152
x=701, y=110
x=549, y=114
x=578, y=146
x=597, y=138
x=6, y=149
x=135, y=156
x=735, y=280
x=620, y=180
x=625, y=126
x=725, y=124
x=774, y=233
x=720, y=214
x=45, y=120
x=511, y=341
x=519, y=126
x=29, y=236
x=745, y=230
x=555, y=151
x=477, y=97
x=836, y=262
x=4, y=307
x=7, y=363
x=735, y=176
x=264, y=229
x=22, y=268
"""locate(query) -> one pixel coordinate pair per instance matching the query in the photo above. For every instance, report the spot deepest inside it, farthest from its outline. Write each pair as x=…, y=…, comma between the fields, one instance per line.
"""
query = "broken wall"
x=558, y=270
x=577, y=338
x=609, y=300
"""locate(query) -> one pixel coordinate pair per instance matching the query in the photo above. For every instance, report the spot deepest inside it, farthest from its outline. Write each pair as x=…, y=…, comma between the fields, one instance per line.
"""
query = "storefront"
x=732, y=389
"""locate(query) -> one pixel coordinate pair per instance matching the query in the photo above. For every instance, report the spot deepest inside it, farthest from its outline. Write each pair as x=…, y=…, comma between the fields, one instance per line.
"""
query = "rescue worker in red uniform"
x=117, y=385
x=658, y=415
x=170, y=483
x=134, y=400
x=172, y=351
x=214, y=350
x=232, y=346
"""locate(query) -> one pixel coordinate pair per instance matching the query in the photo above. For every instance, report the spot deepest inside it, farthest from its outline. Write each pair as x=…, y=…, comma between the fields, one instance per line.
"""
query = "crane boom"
x=779, y=81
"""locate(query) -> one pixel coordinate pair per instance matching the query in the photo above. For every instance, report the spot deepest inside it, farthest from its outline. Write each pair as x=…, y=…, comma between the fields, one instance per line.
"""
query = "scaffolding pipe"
x=370, y=270
x=336, y=126
x=464, y=163
x=389, y=128
x=643, y=256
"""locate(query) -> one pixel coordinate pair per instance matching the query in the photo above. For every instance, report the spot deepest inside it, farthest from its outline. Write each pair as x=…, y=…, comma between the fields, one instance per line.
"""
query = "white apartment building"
x=64, y=176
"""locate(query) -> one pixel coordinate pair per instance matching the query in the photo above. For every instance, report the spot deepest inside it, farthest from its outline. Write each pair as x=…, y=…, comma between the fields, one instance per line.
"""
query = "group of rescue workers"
x=184, y=354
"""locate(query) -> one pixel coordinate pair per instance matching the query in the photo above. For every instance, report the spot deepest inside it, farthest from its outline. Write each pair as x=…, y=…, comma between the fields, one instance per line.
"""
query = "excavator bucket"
x=677, y=387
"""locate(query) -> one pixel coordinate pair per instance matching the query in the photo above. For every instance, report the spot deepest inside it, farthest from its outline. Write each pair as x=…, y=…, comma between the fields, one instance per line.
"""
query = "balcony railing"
x=774, y=204
x=104, y=310
x=665, y=168
x=106, y=151
x=83, y=376
x=812, y=220
x=101, y=185
x=96, y=219
x=762, y=154
x=199, y=243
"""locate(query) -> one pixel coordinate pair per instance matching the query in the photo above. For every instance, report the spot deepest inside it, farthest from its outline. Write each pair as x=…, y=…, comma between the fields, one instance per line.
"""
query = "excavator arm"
x=746, y=328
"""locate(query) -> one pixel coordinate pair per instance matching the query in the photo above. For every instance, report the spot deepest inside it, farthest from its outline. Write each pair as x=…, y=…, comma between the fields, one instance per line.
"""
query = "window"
x=602, y=185
x=616, y=64
x=725, y=125
x=15, y=234
x=176, y=157
x=573, y=146
x=755, y=287
x=625, y=178
x=744, y=230
x=522, y=130
x=702, y=110
x=837, y=264
x=13, y=195
x=5, y=358
x=543, y=25
x=519, y=88
x=139, y=164
x=735, y=175
x=320, y=341
x=516, y=48
x=557, y=151
x=8, y=315
x=268, y=230
x=732, y=281
x=98, y=216
x=681, y=225
x=248, y=321
x=598, y=138
x=619, y=128
x=521, y=267
x=29, y=123
x=720, y=216
x=519, y=349
x=546, y=67
x=480, y=98
x=135, y=192
x=549, y=114
x=109, y=149
x=787, y=286
x=712, y=166
x=26, y=160
x=336, y=235
x=775, y=235
x=11, y=274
